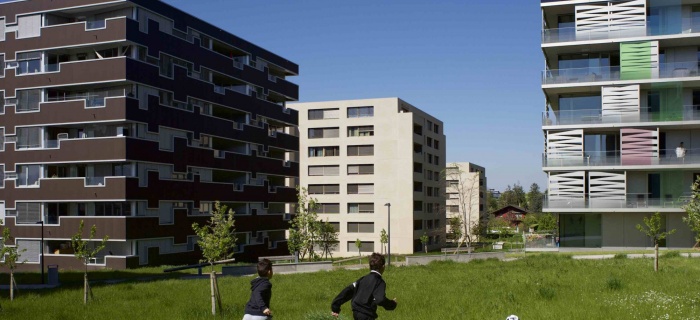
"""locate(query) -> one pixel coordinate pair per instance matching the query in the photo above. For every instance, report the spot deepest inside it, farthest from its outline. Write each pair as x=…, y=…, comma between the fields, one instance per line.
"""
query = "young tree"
x=328, y=238
x=12, y=256
x=305, y=226
x=534, y=199
x=217, y=240
x=456, y=231
x=424, y=241
x=653, y=230
x=384, y=239
x=85, y=250
x=519, y=195
x=492, y=203
x=463, y=189
x=358, y=244
x=693, y=210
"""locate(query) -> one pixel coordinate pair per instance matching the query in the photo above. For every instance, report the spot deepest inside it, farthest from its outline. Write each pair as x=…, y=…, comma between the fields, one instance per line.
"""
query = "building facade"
x=358, y=156
x=466, y=195
x=136, y=117
x=621, y=121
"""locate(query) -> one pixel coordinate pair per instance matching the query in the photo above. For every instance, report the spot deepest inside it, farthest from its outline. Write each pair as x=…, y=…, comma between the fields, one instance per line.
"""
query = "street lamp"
x=388, y=234
x=41, y=252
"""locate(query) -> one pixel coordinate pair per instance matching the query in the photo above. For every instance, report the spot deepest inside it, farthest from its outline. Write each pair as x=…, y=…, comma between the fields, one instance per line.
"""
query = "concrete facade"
x=399, y=161
x=466, y=193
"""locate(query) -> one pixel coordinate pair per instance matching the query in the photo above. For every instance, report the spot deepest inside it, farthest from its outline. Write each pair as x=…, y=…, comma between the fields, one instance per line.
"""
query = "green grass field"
x=534, y=287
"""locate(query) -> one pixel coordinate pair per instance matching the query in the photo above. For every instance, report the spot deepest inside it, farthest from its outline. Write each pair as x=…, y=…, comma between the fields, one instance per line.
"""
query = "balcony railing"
x=596, y=116
x=570, y=34
x=612, y=73
x=629, y=200
x=613, y=158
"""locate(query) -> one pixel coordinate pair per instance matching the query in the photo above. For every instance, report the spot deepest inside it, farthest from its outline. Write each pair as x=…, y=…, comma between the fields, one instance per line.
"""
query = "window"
x=324, y=189
x=429, y=174
x=112, y=209
x=360, y=112
x=29, y=138
x=429, y=141
x=417, y=224
x=318, y=114
x=436, y=128
x=29, y=62
x=29, y=175
x=417, y=167
x=328, y=208
x=324, y=151
x=417, y=205
x=417, y=186
x=360, y=208
x=324, y=170
x=418, y=129
x=417, y=148
x=2, y=139
x=361, y=131
x=2, y=56
x=452, y=184
x=317, y=133
x=430, y=158
x=360, y=169
x=428, y=224
x=366, y=246
x=436, y=145
x=2, y=175
x=429, y=207
x=429, y=191
x=366, y=150
x=360, y=227
x=28, y=100
x=437, y=160
x=336, y=226
x=360, y=188
x=453, y=209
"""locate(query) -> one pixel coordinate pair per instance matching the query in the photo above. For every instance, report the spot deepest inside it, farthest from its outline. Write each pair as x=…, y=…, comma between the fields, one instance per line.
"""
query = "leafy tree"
x=384, y=239
x=693, y=210
x=85, y=250
x=514, y=196
x=305, y=226
x=500, y=226
x=328, y=238
x=424, y=241
x=463, y=188
x=519, y=195
x=530, y=221
x=217, y=240
x=653, y=230
x=534, y=199
x=491, y=202
x=456, y=231
x=546, y=222
x=12, y=256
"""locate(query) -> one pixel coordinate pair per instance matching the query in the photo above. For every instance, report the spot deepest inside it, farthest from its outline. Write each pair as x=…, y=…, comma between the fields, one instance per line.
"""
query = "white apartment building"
x=357, y=156
x=465, y=193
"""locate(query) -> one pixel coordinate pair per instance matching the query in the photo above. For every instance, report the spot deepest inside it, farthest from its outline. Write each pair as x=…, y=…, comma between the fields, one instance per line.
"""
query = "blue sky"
x=474, y=64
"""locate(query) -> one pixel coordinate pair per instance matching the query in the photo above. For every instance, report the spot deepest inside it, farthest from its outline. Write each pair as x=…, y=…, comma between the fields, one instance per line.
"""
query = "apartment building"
x=359, y=156
x=136, y=117
x=465, y=198
x=621, y=120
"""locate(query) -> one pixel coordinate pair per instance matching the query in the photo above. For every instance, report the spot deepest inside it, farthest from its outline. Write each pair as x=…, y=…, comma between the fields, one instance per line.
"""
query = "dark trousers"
x=360, y=316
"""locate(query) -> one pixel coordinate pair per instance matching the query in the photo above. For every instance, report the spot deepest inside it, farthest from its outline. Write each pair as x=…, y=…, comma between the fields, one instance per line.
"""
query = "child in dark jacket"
x=258, y=307
x=366, y=293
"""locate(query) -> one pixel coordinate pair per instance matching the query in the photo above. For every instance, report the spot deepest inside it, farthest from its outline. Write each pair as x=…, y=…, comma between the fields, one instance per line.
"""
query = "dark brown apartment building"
x=136, y=117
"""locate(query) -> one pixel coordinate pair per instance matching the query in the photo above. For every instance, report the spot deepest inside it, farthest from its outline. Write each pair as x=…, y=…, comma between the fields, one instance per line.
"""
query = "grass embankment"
x=535, y=287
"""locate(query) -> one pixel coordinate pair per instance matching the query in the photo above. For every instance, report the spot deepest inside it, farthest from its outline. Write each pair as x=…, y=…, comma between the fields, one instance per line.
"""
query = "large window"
x=318, y=114
x=317, y=133
x=324, y=151
x=360, y=188
x=361, y=131
x=366, y=150
x=112, y=209
x=360, y=208
x=324, y=170
x=360, y=112
x=360, y=227
x=28, y=100
x=29, y=62
x=29, y=138
x=360, y=169
x=324, y=189
x=365, y=246
x=29, y=175
x=328, y=208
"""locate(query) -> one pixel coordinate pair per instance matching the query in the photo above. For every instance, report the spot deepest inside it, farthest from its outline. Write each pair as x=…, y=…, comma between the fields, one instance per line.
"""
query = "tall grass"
x=539, y=287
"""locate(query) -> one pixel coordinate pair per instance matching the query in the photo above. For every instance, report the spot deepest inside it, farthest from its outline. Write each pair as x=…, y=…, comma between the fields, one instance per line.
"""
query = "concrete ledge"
x=278, y=268
x=239, y=270
x=423, y=260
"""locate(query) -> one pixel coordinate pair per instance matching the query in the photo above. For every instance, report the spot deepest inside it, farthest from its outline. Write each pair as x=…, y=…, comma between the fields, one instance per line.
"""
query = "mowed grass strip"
x=534, y=287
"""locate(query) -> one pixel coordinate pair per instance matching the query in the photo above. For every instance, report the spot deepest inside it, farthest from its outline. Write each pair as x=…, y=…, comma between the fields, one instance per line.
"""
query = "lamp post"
x=41, y=250
x=388, y=234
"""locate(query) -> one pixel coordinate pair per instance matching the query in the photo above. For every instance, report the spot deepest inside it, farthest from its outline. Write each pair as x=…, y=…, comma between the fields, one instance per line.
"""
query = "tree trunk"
x=12, y=285
x=656, y=257
x=425, y=248
x=212, y=279
x=85, y=288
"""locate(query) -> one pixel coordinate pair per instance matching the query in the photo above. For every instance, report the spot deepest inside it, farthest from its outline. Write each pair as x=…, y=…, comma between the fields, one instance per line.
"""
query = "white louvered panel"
x=33, y=250
x=565, y=144
x=620, y=103
x=331, y=114
x=628, y=16
x=365, y=189
x=606, y=189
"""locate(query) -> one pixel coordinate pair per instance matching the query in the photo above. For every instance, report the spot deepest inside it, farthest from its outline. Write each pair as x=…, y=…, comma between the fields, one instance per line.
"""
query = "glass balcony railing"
x=570, y=34
x=596, y=116
x=612, y=73
x=97, y=24
x=614, y=158
x=628, y=200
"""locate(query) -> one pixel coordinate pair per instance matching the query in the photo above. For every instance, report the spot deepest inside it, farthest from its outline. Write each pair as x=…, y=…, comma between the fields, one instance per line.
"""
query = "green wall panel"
x=635, y=60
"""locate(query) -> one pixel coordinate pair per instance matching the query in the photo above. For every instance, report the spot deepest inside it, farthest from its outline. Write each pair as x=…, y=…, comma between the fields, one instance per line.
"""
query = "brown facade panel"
x=113, y=227
x=11, y=10
x=69, y=262
x=86, y=149
x=65, y=189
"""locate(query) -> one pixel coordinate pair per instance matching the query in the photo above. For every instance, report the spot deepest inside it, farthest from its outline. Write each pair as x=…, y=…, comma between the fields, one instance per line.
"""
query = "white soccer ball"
x=512, y=317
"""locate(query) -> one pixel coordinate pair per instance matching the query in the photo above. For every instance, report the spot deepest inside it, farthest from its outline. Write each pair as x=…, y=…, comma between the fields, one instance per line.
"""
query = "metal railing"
x=596, y=116
x=555, y=35
x=628, y=200
x=613, y=73
x=614, y=158
x=97, y=24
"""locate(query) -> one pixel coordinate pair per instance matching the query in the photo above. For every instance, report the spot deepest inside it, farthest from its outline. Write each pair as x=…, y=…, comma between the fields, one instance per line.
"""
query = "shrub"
x=614, y=283
x=671, y=254
x=620, y=256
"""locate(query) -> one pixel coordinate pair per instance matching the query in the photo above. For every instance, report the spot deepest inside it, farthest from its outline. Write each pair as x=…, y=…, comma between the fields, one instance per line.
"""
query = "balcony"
x=595, y=116
x=612, y=73
x=634, y=201
x=665, y=157
x=559, y=35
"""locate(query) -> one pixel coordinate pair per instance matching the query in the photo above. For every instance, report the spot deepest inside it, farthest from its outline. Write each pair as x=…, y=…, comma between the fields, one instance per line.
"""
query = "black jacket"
x=260, y=295
x=366, y=294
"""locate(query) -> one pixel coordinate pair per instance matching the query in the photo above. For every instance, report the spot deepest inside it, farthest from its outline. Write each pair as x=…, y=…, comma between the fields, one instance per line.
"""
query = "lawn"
x=534, y=287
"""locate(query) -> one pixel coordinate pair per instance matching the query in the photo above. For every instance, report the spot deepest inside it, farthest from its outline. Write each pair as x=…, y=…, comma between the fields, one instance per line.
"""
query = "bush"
x=614, y=283
x=620, y=256
x=671, y=254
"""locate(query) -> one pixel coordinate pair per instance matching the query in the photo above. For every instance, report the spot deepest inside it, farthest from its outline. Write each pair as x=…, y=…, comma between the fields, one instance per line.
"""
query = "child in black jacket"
x=366, y=293
x=258, y=307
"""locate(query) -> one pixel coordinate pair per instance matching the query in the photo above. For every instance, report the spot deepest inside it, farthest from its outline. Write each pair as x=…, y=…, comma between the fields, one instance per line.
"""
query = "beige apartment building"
x=358, y=156
x=465, y=193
